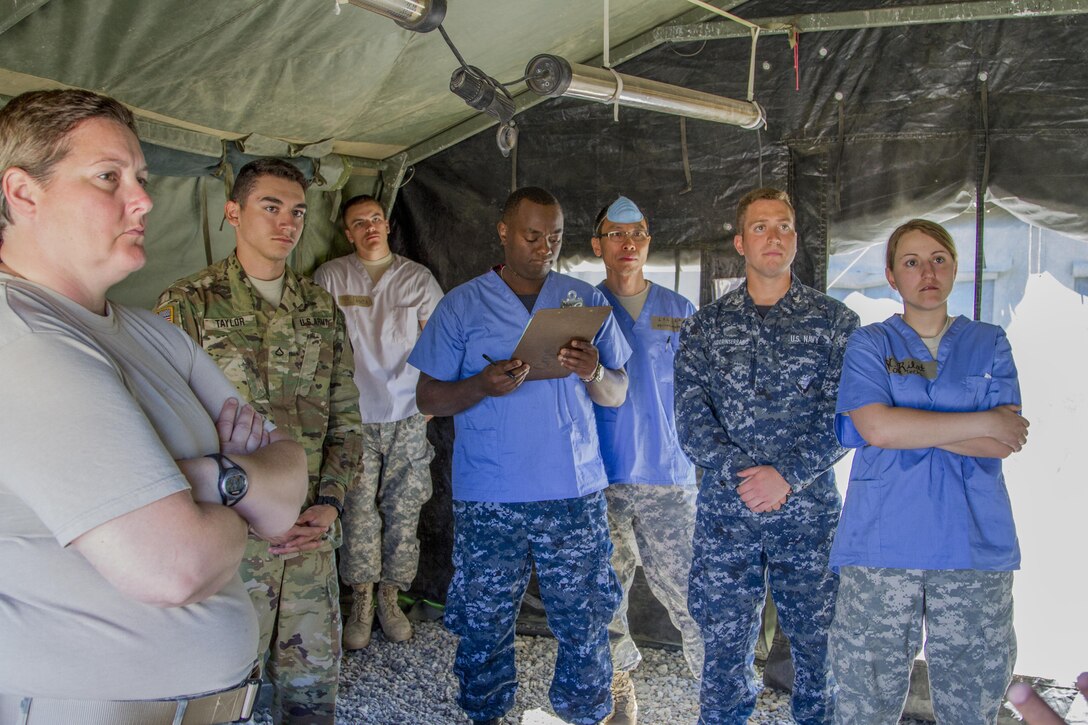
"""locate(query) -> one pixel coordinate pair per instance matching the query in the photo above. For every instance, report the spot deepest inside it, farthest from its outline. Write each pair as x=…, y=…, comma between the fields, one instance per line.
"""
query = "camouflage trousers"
x=735, y=557
x=381, y=511
x=495, y=547
x=970, y=645
x=654, y=524
x=298, y=608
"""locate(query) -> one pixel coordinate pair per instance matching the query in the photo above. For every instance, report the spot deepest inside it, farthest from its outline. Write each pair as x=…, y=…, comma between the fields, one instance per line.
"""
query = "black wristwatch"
x=330, y=501
x=233, y=481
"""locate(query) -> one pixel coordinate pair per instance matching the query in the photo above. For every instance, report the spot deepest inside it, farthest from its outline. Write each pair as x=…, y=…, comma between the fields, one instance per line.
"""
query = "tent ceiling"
x=295, y=71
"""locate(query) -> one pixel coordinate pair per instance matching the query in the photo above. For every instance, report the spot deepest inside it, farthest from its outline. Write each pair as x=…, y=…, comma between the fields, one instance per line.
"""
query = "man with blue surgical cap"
x=651, y=492
x=527, y=471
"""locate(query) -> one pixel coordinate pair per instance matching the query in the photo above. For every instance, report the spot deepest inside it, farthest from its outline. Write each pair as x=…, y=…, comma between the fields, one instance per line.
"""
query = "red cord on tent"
x=795, y=43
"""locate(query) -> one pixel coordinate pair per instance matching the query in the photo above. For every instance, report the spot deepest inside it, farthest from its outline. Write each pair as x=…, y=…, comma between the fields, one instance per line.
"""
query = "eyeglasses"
x=636, y=235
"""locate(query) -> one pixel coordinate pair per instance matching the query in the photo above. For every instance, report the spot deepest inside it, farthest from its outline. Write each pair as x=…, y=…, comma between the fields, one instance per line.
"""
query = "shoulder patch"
x=168, y=312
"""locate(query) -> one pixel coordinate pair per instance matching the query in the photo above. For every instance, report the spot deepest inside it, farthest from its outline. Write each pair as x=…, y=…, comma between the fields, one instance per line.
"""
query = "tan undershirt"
x=376, y=268
x=271, y=290
x=635, y=303
x=933, y=343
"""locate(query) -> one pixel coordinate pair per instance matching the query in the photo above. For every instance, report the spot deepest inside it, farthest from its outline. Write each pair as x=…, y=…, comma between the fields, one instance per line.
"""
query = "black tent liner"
x=926, y=117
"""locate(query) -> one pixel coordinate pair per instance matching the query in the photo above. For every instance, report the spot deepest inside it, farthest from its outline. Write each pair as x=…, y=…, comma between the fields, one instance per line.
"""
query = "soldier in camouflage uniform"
x=756, y=380
x=651, y=491
x=527, y=472
x=281, y=340
x=386, y=300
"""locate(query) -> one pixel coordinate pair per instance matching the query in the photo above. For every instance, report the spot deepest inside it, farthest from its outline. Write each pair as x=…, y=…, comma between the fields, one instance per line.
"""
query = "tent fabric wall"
x=906, y=139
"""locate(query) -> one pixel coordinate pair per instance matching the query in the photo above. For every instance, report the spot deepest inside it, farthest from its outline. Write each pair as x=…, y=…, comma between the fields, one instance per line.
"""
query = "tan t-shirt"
x=95, y=411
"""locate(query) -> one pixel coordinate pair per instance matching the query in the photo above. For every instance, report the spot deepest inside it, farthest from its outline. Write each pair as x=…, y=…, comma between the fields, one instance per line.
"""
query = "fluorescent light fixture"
x=550, y=75
x=421, y=16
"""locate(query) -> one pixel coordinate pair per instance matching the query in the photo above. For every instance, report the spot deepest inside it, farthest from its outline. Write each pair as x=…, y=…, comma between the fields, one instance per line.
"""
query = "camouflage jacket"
x=756, y=391
x=294, y=363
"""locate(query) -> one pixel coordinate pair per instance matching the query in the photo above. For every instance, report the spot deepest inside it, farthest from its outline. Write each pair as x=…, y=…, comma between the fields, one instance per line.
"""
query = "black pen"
x=492, y=362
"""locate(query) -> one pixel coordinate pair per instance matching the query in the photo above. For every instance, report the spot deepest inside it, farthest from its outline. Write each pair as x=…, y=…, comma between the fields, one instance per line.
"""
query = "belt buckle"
x=253, y=689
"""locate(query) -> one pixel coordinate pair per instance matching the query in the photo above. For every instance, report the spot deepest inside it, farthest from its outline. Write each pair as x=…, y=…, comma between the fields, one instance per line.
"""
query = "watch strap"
x=330, y=501
x=597, y=376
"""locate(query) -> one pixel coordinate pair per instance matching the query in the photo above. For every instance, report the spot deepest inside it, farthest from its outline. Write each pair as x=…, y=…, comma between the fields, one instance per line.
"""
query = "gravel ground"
x=413, y=684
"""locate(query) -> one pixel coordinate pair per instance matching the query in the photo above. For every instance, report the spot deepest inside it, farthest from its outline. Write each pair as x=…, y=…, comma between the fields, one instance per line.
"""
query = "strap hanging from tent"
x=684, y=157
x=513, y=169
x=608, y=65
x=982, y=181
x=205, y=231
x=840, y=147
x=616, y=95
x=752, y=27
x=604, y=52
x=752, y=65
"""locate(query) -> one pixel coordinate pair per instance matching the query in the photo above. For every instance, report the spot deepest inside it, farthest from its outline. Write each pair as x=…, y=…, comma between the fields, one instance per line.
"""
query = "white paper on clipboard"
x=549, y=331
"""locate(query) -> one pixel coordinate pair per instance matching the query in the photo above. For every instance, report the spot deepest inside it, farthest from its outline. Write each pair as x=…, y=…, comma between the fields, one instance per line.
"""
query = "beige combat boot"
x=395, y=625
x=361, y=620
x=624, y=706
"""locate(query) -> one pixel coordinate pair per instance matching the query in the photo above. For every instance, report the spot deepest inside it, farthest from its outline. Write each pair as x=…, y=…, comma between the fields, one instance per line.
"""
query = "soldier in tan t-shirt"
x=118, y=554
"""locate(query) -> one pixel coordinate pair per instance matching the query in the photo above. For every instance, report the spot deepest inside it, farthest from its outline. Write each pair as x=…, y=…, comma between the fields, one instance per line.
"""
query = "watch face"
x=235, y=483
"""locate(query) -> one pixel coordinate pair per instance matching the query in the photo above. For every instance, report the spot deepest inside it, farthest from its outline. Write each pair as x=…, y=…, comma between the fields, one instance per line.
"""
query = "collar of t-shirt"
x=934, y=343
x=270, y=290
x=377, y=267
x=634, y=303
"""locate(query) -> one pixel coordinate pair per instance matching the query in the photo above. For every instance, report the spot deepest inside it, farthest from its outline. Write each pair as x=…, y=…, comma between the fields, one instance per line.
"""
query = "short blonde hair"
x=933, y=230
x=34, y=129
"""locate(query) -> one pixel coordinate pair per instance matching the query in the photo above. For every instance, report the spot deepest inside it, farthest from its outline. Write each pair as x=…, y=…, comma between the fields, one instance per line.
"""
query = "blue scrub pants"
x=735, y=558
x=495, y=546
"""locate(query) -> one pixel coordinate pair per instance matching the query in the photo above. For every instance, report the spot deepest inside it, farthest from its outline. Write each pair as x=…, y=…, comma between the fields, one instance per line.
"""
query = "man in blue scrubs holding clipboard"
x=527, y=471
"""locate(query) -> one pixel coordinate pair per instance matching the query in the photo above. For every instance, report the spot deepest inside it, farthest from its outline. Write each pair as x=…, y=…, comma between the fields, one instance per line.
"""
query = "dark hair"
x=34, y=130
x=354, y=201
x=599, y=220
x=765, y=193
x=247, y=177
x=533, y=194
x=933, y=230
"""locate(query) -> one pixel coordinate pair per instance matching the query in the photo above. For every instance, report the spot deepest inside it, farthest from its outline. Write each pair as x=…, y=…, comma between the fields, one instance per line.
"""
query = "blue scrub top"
x=925, y=508
x=539, y=443
x=638, y=439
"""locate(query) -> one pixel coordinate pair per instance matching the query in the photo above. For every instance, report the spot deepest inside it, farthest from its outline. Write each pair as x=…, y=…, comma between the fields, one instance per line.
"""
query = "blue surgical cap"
x=624, y=211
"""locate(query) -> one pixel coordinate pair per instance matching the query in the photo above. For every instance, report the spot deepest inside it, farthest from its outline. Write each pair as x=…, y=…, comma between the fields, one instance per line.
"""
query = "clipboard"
x=549, y=331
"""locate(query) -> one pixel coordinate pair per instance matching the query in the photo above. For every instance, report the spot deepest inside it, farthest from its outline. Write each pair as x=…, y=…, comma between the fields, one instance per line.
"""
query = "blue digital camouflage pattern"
x=495, y=546
x=761, y=391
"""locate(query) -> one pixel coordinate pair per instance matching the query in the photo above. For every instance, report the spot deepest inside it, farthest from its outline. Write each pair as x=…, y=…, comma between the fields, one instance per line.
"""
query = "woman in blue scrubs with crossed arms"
x=932, y=404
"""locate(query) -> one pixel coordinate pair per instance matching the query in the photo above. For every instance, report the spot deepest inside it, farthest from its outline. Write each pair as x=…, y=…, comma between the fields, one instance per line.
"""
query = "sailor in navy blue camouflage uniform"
x=756, y=381
x=528, y=478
